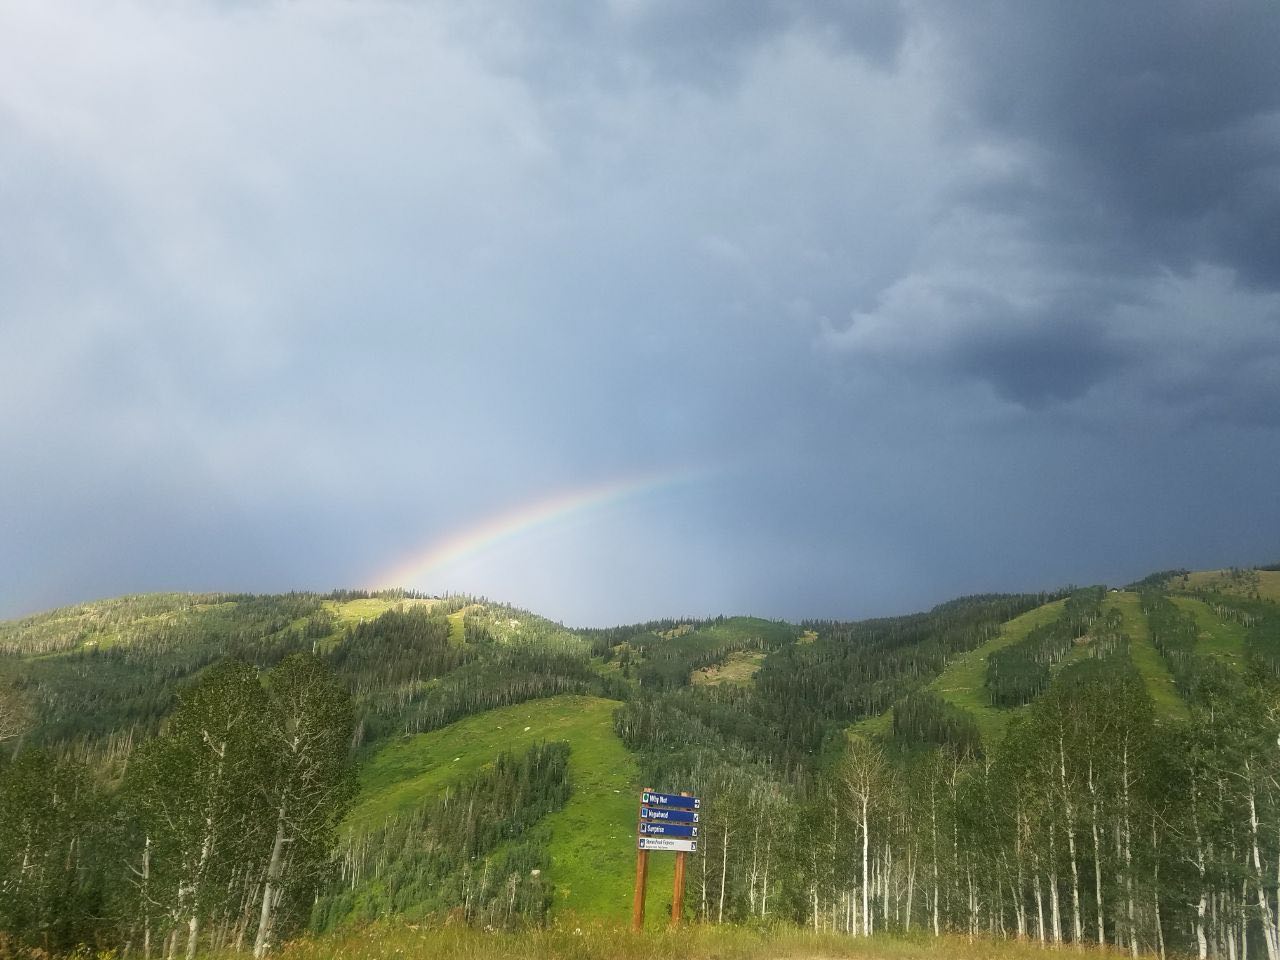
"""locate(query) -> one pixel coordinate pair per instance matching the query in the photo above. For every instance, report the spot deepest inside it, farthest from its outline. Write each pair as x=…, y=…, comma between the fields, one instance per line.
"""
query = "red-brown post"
x=642, y=880
x=677, y=895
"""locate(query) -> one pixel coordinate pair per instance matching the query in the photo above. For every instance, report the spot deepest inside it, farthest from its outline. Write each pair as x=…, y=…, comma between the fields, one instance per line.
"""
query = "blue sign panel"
x=670, y=800
x=687, y=830
x=671, y=816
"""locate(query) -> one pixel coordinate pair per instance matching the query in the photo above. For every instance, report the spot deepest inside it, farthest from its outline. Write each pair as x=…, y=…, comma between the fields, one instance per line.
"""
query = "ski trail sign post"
x=668, y=821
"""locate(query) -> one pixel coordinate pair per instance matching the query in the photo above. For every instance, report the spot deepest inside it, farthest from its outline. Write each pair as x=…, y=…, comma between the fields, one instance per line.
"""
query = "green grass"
x=350, y=612
x=591, y=841
x=1266, y=582
x=963, y=683
x=1218, y=638
x=1155, y=672
x=395, y=940
x=738, y=669
x=458, y=626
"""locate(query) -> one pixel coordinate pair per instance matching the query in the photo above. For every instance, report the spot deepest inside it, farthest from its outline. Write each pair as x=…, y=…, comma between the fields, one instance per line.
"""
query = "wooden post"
x=677, y=895
x=642, y=880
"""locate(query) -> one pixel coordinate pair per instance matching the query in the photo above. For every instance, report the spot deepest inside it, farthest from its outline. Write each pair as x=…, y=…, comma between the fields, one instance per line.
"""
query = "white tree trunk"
x=1270, y=936
x=1039, y=905
x=764, y=891
x=270, y=888
x=911, y=885
x=724, y=872
x=867, y=915
x=1097, y=859
x=1055, y=910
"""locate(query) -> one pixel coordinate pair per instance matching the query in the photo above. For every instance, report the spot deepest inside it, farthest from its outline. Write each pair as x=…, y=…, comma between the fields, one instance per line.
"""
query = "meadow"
x=595, y=940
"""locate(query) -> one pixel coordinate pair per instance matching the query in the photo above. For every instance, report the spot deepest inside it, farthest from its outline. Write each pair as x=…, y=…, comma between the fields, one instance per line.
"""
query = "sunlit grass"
x=964, y=682
x=1267, y=582
x=597, y=940
x=1154, y=671
x=591, y=840
x=1218, y=638
x=737, y=669
x=351, y=612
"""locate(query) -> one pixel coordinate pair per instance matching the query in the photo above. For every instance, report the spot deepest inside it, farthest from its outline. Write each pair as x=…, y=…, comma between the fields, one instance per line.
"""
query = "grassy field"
x=458, y=627
x=591, y=840
x=611, y=941
x=1241, y=583
x=1155, y=672
x=963, y=683
x=350, y=612
x=737, y=668
x=1218, y=638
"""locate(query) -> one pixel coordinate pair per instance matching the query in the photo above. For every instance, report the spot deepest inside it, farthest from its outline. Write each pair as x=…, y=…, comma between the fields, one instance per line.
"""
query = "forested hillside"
x=186, y=772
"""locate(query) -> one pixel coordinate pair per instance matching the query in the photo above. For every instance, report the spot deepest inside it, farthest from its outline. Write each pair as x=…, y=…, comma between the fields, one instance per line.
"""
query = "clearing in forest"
x=737, y=669
x=350, y=612
x=1144, y=655
x=591, y=840
x=1218, y=638
x=963, y=682
x=458, y=624
x=1241, y=583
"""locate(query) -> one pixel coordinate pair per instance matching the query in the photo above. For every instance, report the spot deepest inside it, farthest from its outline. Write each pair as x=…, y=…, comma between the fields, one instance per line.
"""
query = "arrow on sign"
x=649, y=798
x=674, y=816
x=668, y=829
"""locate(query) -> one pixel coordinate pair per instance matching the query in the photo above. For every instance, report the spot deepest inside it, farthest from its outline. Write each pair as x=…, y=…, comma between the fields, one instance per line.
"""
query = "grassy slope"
x=737, y=669
x=1268, y=582
x=392, y=940
x=591, y=840
x=102, y=623
x=1155, y=673
x=964, y=682
x=350, y=612
x=1218, y=638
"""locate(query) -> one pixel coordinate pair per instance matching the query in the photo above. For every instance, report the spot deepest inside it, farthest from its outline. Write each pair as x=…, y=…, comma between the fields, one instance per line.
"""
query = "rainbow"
x=469, y=543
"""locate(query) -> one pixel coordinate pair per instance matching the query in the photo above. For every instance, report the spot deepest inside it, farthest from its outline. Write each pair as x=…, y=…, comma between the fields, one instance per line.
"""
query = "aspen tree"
x=863, y=775
x=307, y=729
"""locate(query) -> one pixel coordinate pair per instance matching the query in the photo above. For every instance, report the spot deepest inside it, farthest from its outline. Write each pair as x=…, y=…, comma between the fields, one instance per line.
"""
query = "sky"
x=639, y=308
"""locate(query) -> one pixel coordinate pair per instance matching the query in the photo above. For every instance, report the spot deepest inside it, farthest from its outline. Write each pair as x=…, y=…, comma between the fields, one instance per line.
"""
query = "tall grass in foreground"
x=607, y=941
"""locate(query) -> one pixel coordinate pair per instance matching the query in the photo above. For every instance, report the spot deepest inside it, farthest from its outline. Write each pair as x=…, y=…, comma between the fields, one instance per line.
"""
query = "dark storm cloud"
x=1101, y=149
x=1166, y=113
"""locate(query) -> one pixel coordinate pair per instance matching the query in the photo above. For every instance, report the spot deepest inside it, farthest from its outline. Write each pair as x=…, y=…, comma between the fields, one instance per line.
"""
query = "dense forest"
x=176, y=771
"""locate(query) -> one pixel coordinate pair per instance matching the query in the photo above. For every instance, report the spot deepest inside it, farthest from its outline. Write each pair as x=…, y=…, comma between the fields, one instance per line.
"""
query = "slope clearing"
x=963, y=682
x=1263, y=584
x=1150, y=664
x=1218, y=638
x=591, y=840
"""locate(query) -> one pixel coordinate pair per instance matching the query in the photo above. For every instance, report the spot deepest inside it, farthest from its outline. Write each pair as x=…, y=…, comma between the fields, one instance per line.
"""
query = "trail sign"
x=669, y=843
x=668, y=821
x=674, y=800
x=668, y=829
x=673, y=816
